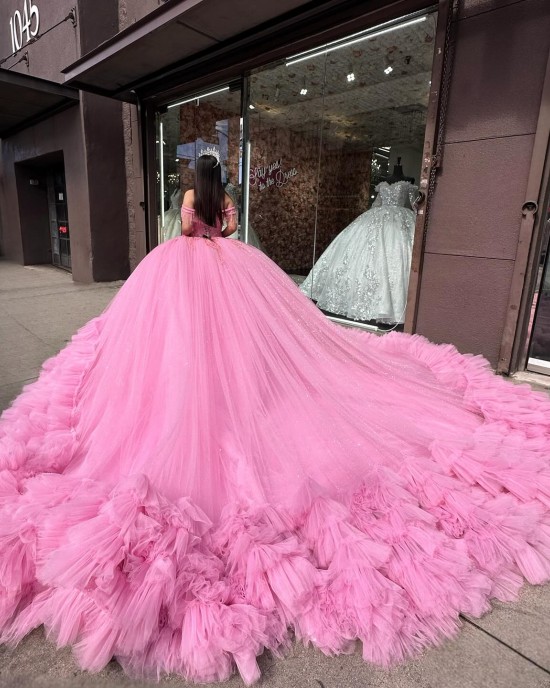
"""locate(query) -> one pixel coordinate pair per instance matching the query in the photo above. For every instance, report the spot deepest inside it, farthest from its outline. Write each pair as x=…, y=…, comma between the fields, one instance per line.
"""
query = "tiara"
x=210, y=150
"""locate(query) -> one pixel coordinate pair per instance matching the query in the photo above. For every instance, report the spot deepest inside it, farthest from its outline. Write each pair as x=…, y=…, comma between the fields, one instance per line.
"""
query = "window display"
x=364, y=273
x=330, y=129
x=285, y=136
x=332, y=156
x=208, y=124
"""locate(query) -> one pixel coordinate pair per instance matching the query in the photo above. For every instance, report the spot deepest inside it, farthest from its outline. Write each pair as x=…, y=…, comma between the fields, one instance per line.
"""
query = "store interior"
x=324, y=129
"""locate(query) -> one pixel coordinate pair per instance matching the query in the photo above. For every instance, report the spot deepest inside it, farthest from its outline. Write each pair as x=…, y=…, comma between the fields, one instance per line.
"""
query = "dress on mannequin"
x=196, y=474
x=398, y=175
x=254, y=239
x=172, y=217
x=364, y=272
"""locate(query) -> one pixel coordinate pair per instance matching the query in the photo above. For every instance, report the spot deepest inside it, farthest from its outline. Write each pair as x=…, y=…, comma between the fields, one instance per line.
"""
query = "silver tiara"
x=210, y=150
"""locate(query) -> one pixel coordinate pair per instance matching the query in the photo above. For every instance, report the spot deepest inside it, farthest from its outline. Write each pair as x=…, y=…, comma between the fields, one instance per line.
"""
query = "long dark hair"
x=209, y=193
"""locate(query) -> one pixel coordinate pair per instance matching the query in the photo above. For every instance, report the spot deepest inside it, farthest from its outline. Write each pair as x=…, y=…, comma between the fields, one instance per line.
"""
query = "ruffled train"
x=389, y=551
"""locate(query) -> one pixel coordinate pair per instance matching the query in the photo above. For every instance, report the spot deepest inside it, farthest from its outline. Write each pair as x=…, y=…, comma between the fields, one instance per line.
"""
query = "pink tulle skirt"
x=211, y=465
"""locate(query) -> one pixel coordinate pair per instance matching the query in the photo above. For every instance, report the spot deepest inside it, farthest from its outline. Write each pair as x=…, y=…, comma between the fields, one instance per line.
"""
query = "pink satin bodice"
x=201, y=229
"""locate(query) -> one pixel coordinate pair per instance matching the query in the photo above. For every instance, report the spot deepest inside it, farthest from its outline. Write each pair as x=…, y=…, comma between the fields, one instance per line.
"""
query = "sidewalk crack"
x=503, y=642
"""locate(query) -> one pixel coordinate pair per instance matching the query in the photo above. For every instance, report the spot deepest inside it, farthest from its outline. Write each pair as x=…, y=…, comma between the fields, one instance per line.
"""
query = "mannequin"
x=397, y=174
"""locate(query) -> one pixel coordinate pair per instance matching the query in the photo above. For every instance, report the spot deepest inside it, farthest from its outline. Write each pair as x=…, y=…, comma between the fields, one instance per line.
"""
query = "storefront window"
x=325, y=181
x=207, y=123
x=333, y=132
x=285, y=126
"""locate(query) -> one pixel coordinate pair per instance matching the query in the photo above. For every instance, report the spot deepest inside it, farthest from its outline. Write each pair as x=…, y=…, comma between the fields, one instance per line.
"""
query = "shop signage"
x=265, y=176
x=24, y=24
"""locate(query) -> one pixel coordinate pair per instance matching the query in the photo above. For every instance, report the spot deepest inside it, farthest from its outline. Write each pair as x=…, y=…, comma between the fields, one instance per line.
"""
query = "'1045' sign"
x=24, y=25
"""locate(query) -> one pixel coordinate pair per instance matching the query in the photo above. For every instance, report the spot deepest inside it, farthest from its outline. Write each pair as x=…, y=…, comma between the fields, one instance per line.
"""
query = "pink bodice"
x=200, y=228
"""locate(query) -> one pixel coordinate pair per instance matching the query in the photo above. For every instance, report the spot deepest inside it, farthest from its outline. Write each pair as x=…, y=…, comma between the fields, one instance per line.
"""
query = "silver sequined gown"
x=364, y=272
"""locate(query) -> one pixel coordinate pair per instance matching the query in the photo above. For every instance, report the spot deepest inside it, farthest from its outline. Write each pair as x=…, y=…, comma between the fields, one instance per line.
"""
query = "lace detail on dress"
x=364, y=273
x=396, y=194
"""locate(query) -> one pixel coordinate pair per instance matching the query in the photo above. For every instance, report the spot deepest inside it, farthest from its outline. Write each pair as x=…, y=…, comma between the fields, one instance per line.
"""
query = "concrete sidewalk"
x=40, y=308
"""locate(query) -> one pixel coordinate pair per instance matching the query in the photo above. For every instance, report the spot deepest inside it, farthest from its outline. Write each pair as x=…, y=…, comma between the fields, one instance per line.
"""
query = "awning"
x=184, y=37
x=25, y=100
x=165, y=37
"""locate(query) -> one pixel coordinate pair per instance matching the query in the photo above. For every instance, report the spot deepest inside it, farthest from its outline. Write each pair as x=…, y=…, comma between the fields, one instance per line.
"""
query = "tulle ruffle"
x=157, y=585
x=116, y=565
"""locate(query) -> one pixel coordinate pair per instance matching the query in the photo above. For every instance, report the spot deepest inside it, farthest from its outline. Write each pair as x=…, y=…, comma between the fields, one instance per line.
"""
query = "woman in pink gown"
x=212, y=464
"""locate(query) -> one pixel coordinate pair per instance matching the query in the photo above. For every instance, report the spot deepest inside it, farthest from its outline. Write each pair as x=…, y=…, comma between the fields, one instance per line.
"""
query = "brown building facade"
x=309, y=106
x=62, y=194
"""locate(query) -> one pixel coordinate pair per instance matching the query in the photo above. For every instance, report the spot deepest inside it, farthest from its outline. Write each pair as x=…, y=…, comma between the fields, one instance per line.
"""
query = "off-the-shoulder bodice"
x=396, y=194
x=200, y=228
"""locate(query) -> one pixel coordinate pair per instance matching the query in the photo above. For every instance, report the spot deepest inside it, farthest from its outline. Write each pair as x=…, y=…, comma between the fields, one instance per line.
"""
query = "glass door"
x=59, y=219
x=539, y=346
x=206, y=123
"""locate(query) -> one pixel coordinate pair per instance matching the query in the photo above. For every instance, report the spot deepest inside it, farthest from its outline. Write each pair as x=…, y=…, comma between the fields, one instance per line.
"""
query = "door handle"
x=419, y=200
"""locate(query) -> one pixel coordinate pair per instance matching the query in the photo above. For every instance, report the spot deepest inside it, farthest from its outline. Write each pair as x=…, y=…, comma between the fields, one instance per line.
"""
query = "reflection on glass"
x=285, y=135
x=539, y=350
x=59, y=220
x=209, y=124
x=349, y=123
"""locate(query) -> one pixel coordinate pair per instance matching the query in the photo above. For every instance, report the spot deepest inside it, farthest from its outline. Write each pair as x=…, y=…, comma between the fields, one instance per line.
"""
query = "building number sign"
x=24, y=24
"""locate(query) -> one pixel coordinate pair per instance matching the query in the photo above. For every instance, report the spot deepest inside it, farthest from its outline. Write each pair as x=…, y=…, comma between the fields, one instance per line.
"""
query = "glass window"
x=208, y=123
x=336, y=140
x=285, y=143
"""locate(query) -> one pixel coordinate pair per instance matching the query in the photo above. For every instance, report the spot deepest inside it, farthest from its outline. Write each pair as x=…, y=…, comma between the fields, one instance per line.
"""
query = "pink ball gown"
x=211, y=464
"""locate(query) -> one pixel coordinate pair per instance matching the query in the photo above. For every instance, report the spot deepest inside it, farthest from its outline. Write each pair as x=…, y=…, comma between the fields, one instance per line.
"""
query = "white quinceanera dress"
x=364, y=272
x=172, y=217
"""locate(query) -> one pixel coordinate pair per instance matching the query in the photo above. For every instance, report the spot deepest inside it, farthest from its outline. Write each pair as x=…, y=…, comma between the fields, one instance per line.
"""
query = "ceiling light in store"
x=197, y=98
x=388, y=70
x=351, y=40
x=303, y=92
x=252, y=107
x=351, y=76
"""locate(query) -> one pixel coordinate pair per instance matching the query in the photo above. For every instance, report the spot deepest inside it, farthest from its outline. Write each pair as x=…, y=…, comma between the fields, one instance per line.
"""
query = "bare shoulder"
x=228, y=201
x=189, y=198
